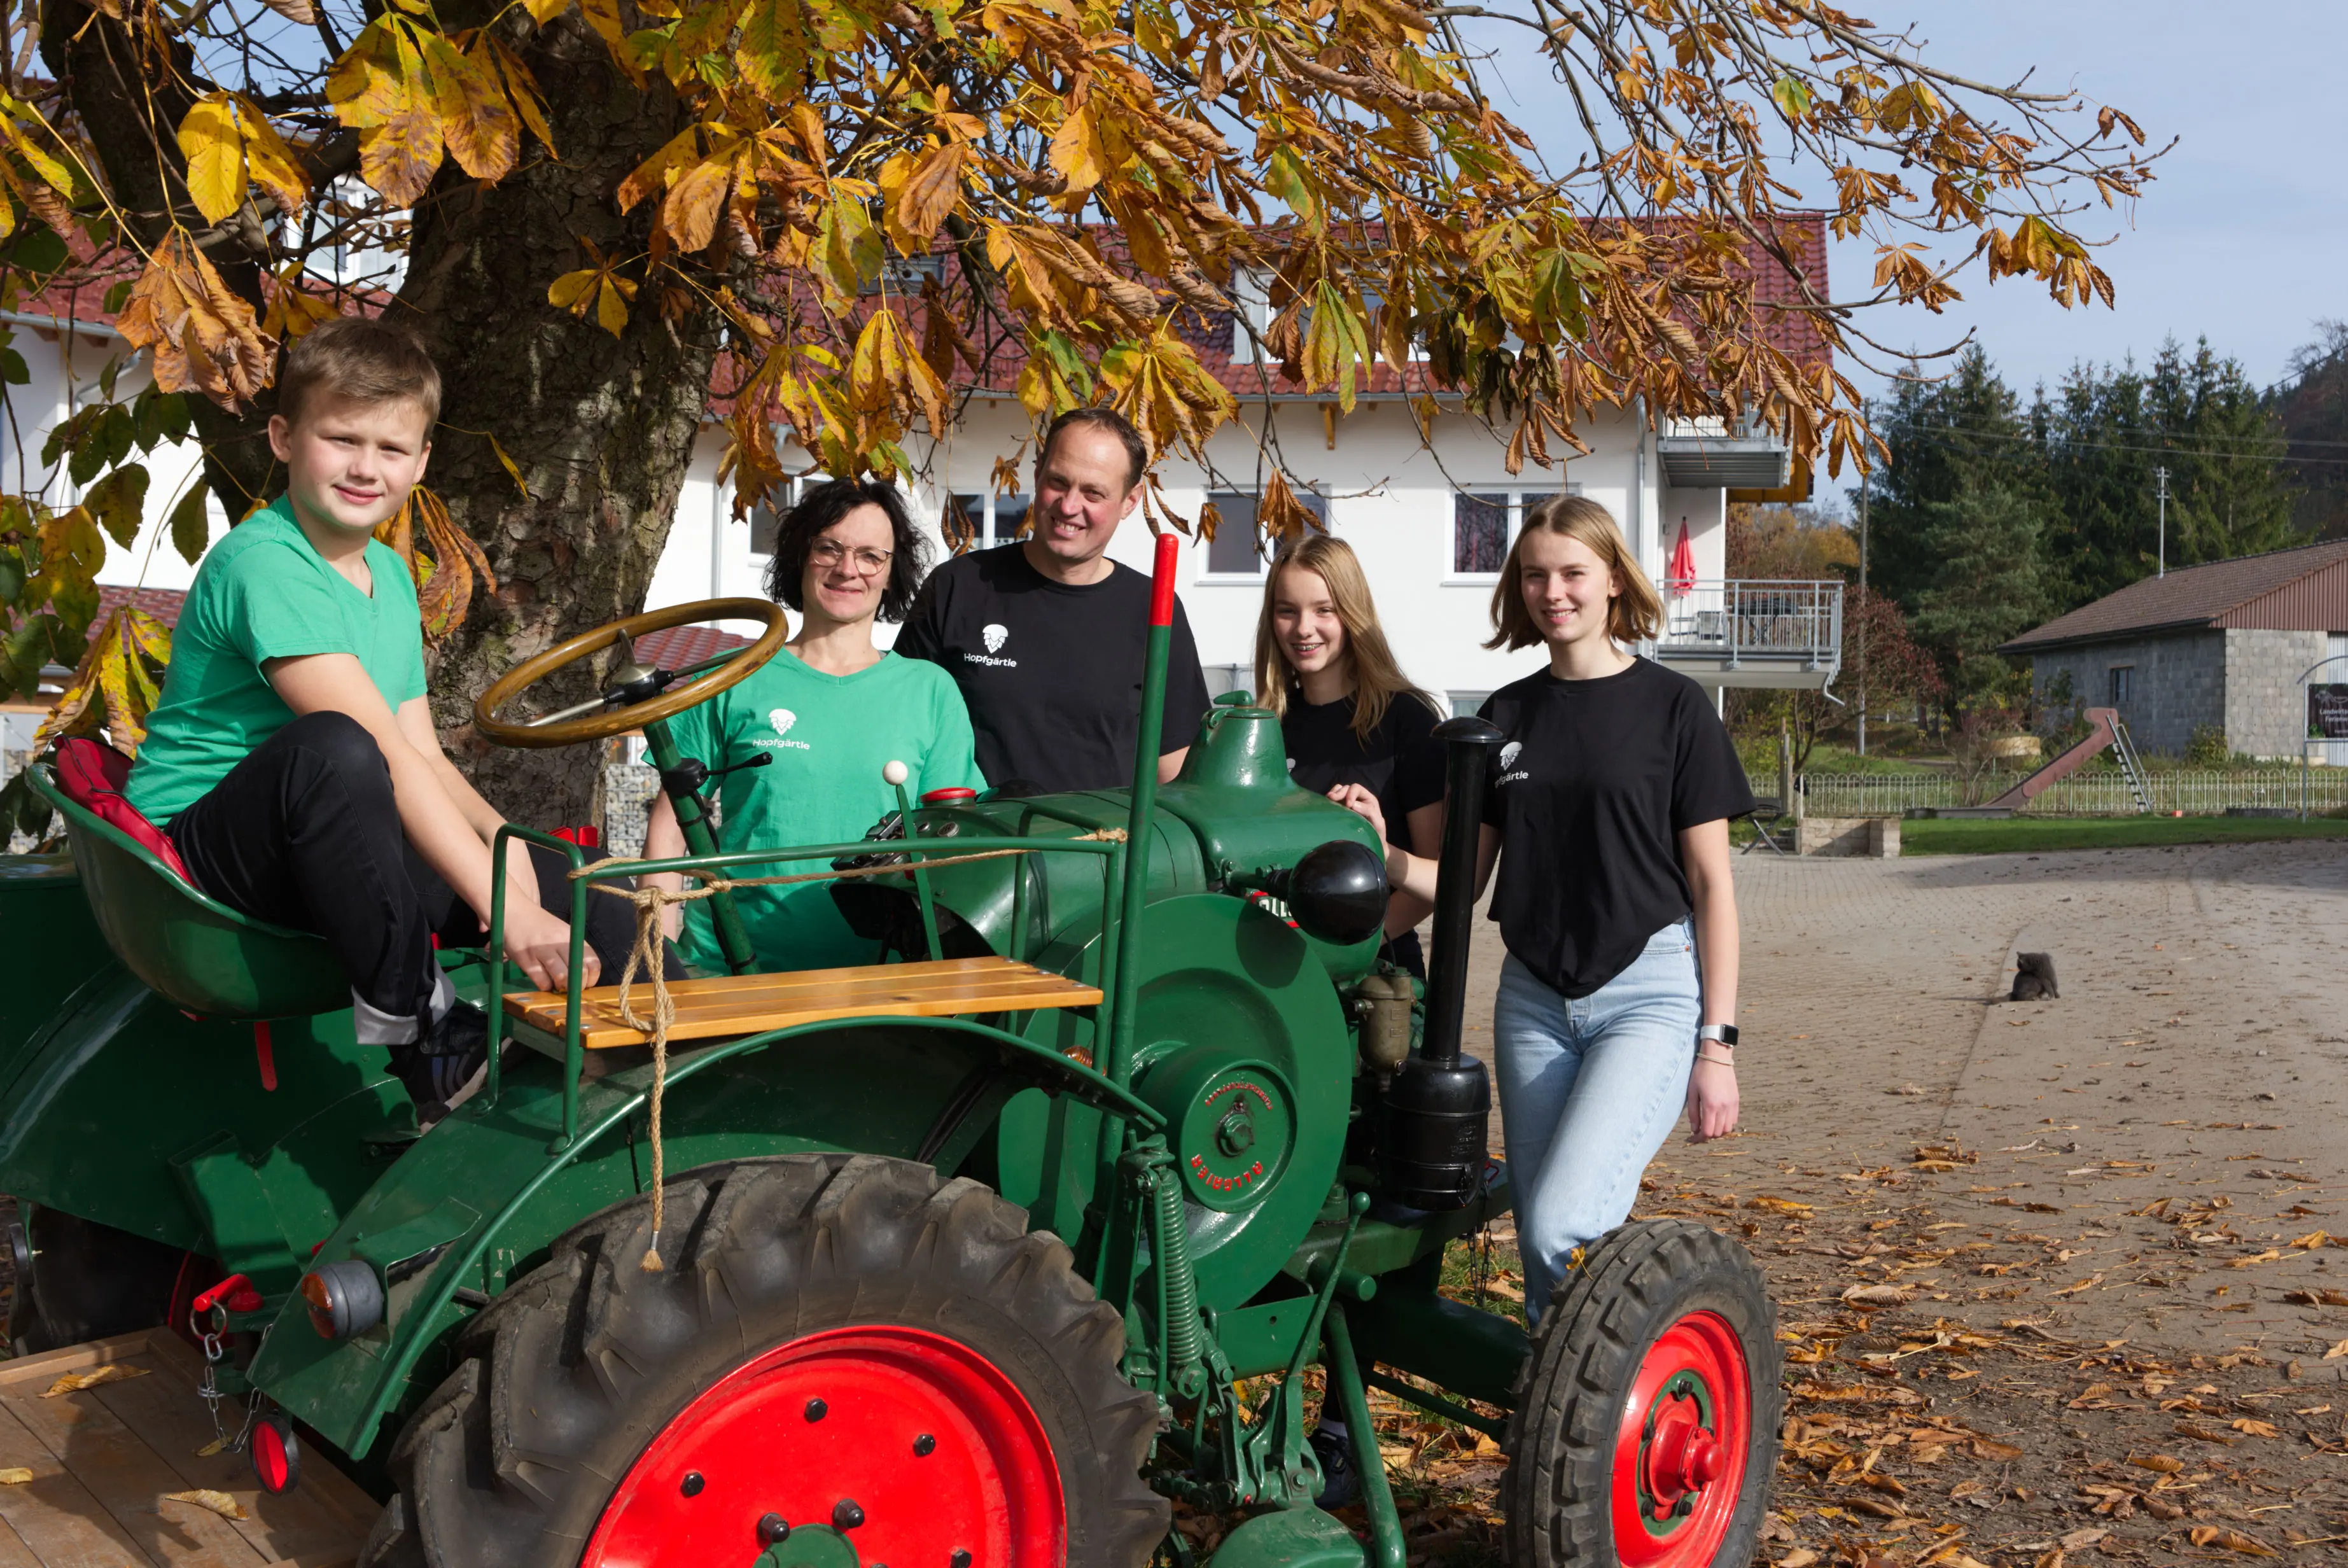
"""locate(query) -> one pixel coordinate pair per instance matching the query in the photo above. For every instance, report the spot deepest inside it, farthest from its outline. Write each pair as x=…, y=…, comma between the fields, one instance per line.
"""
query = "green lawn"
x=1984, y=836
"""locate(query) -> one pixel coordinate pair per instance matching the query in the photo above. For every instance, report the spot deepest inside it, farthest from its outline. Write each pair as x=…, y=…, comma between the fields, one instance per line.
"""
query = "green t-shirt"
x=829, y=737
x=266, y=593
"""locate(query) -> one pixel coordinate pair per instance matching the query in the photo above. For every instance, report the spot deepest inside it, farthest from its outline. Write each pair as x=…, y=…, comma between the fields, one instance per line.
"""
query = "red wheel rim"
x=1680, y=1452
x=915, y=1447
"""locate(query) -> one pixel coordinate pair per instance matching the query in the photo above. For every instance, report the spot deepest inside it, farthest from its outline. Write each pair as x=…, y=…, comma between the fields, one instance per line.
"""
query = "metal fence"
x=2197, y=792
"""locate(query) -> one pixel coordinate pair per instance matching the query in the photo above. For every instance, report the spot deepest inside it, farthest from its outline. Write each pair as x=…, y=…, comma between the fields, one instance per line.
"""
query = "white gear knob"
x=896, y=773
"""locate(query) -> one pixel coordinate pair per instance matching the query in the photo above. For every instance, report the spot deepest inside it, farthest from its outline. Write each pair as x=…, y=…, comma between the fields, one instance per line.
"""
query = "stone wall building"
x=2204, y=652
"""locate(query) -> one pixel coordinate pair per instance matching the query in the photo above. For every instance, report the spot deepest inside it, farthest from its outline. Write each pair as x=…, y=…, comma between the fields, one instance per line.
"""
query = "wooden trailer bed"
x=103, y=1460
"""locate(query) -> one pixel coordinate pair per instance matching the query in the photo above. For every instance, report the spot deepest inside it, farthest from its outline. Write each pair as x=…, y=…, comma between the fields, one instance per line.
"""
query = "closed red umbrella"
x=1680, y=578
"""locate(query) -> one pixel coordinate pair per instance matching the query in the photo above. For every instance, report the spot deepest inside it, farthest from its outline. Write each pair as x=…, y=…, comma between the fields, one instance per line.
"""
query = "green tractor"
x=956, y=1261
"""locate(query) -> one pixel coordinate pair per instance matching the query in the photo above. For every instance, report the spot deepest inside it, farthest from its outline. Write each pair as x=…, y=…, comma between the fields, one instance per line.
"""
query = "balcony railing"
x=1743, y=621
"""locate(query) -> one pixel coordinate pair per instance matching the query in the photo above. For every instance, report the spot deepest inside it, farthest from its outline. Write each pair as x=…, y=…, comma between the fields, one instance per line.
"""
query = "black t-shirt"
x=1052, y=673
x=1590, y=791
x=1400, y=763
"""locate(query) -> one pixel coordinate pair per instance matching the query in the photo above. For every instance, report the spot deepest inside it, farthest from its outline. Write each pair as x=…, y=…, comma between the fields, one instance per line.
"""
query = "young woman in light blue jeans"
x=1612, y=792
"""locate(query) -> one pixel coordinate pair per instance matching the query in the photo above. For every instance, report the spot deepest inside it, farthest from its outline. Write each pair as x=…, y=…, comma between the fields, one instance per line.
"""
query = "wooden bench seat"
x=732, y=1005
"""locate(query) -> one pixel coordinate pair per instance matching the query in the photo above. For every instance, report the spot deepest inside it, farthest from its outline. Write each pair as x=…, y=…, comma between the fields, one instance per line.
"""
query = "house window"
x=1479, y=533
x=1465, y=704
x=766, y=515
x=765, y=527
x=2123, y=685
x=1238, y=550
x=986, y=520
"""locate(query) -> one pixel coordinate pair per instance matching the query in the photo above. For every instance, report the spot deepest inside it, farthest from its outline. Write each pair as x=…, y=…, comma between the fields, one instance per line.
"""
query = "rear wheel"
x=1645, y=1431
x=840, y=1347
x=77, y=1280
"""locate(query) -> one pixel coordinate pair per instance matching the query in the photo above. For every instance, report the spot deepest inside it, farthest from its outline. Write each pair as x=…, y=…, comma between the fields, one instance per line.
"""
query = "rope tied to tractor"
x=649, y=951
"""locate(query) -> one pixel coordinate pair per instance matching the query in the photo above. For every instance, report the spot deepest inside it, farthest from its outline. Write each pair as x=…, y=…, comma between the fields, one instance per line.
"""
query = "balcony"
x=1751, y=633
x=1712, y=454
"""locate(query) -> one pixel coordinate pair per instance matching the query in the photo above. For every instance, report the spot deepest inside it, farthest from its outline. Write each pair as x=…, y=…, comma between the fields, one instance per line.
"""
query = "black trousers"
x=305, y=832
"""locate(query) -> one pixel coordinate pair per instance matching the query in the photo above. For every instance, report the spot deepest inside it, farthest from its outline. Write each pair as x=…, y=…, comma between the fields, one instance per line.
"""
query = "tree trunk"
x=603, y=427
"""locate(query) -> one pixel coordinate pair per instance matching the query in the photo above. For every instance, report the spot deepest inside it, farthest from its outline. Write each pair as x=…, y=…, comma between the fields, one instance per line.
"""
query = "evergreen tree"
x=1990, y=585
x=1951, y=439
x=2311, y=411
x=2107, y=434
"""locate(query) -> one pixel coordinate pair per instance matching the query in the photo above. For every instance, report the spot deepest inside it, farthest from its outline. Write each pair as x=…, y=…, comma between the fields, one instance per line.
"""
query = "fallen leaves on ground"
x=219, y=1502
x=75, y=1382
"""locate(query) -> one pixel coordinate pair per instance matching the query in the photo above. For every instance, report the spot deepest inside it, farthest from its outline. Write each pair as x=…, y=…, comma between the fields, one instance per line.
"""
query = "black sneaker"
x=448, y=1064
x=1339, y=1484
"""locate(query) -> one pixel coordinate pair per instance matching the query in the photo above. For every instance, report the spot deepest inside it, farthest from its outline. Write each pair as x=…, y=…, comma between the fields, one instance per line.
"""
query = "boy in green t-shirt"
x=293, y=759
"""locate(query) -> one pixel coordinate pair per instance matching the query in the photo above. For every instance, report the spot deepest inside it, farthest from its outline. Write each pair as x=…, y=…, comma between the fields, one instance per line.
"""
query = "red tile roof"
x=2284, y=590
x=681, y=647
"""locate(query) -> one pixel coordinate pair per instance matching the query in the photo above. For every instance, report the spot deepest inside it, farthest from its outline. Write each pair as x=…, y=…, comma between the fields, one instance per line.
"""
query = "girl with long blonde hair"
x=1612, y=792
x=1348, y=716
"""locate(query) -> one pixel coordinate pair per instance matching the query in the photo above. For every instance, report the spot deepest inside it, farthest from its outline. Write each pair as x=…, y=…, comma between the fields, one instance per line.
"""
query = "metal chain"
x=208, y=1387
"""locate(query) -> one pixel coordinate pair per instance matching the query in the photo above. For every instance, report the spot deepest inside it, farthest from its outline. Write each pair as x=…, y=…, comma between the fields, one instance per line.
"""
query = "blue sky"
x=2243, y=236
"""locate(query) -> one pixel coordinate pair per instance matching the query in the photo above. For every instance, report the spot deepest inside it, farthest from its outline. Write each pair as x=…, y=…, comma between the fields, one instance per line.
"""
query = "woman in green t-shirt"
x=831, y=710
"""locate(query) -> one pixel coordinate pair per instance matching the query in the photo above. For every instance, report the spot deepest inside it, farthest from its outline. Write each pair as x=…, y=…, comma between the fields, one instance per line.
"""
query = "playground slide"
x=2102, y=730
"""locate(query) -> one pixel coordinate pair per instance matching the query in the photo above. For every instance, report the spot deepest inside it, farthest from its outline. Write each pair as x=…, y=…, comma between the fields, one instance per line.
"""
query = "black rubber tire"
x=563, y=1381
x=90, y=1281
x=1632, y=1286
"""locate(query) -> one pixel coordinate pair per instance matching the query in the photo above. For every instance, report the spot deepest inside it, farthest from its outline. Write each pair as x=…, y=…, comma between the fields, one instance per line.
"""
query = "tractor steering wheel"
x=635, y=696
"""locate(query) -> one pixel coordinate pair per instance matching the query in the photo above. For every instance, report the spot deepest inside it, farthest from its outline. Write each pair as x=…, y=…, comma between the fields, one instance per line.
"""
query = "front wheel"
x=1645, y=1430
x=840, y=1349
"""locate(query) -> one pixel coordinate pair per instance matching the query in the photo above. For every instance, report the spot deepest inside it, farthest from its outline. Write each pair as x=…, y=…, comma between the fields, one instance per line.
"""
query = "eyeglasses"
x=830, y=552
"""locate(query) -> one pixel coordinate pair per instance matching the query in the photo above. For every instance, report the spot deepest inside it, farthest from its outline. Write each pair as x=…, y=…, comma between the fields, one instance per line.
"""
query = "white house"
x=1431, y=518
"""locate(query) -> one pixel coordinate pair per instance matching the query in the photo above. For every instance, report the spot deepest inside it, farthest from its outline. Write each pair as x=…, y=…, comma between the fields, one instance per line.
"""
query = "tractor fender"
x=481, y=1197
x=109, y=1096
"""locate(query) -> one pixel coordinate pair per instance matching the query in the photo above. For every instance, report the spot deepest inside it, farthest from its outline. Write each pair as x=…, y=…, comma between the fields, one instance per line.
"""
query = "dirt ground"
x=2055, y=1280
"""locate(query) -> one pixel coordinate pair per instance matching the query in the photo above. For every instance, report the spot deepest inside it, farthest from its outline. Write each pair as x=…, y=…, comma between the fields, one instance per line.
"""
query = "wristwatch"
x=1724, y=1033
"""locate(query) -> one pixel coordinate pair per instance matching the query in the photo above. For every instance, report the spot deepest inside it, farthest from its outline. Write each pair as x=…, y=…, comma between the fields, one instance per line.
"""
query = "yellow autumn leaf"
x=567, y=292
x=611, y=304
x=930, y=192
x=15, y=1475
x=522, y=87
x=214, y=147
x=1075, y=150
x=476, y=121
x=219, y=1502
x=75, y=1382
x=690, y=213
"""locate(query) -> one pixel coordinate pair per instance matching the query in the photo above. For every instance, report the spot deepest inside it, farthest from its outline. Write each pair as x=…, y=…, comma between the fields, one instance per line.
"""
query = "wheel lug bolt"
x=959, y=1560
x=773, y=1527
x=925, y=1445
x=693, y=1483
x=846, y=1515
x=816, y=1409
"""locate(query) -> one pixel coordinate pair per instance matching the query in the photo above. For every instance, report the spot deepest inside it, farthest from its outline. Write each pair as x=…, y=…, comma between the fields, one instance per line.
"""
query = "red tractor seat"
x=188, y=948
x=93, y=774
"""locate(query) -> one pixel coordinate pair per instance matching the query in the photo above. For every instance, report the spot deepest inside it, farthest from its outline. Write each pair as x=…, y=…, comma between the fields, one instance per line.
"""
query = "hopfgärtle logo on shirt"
x=993, y=634
x=1508, y=754
x=782, y=718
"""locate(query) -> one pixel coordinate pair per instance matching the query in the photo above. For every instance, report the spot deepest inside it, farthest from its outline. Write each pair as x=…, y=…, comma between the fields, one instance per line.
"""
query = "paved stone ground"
x=2101, y=1320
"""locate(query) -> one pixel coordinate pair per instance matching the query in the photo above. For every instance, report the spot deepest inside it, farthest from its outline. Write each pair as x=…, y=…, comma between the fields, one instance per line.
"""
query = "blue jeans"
x=1588, y=1091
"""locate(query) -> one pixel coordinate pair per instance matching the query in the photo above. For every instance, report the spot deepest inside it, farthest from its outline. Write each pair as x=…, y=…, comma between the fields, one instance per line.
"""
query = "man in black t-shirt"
x=1046, y=636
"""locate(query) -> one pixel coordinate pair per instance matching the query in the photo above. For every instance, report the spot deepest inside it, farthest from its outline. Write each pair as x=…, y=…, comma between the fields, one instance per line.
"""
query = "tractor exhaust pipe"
x=1438, y=1108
